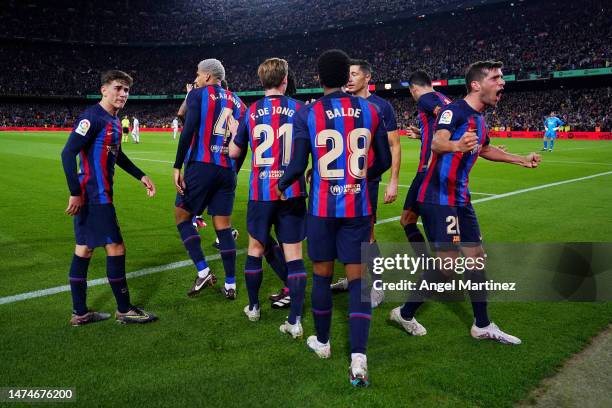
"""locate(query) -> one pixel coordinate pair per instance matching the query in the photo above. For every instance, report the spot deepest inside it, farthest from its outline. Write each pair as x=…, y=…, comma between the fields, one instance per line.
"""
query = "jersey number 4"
x=356, y=166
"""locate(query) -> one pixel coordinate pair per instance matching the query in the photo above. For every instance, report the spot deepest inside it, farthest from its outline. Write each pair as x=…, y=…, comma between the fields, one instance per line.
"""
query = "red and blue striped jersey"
x=210, y=143
x=340, y=129
x=447, y=177
x=97, y=158
x=387, y=114
x=428, y=107
x=268, y=127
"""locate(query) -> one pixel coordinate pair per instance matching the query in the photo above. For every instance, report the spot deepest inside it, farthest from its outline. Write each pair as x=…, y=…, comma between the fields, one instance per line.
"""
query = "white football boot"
x=492, y=332
x=411, y=326
x=323, y=350
x=254, y=314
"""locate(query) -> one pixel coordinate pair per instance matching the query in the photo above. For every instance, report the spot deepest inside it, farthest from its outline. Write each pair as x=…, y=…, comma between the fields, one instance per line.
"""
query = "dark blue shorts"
x=208, y=186
x=446, y=226
x=411, y=202
x=373, y=196
x=287, y=217
x=96, y=225
x=337, y=238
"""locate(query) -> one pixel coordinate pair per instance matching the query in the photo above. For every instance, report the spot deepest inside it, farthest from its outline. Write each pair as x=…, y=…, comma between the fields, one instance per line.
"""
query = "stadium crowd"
x=532, y=39
x=581, y=109
x=200, y=21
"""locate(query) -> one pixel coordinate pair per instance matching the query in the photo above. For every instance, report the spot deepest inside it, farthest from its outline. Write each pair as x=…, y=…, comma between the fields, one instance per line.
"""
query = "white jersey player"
x=174, y=128
x=135, y=130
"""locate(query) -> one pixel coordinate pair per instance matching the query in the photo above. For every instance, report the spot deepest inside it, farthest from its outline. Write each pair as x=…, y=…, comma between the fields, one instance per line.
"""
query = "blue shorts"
x=446, y=226
x=96, y=225
x=550, y=135
x=337, y=238
x=208, y=186
x=287, y=217
x=413, y=192
x=373, y=196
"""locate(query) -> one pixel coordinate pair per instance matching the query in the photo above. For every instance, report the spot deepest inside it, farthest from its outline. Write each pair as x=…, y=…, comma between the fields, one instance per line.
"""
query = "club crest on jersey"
x=83, y=127
x=446, y=117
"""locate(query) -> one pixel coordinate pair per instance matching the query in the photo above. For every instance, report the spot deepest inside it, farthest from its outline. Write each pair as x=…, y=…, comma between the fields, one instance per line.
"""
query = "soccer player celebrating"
x=175, y=127
x=209, y=181
x=268, y=127
x=125, y=127
x=338, y=130
x=551, y=124
x=135, y=130
x=359, y=80
x=96, y=140
x=429, y=102
x=448, y=217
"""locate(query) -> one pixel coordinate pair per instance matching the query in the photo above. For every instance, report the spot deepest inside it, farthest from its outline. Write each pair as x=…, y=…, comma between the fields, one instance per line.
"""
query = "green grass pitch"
x=204, y=352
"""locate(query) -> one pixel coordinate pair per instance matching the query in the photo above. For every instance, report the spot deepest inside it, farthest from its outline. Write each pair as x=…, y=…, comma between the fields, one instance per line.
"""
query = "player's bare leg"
x=192, y=242
x=227, y=249
x=296, y=281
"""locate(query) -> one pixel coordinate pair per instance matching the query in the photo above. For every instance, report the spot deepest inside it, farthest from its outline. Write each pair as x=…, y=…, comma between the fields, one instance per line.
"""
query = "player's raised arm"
x=80, y=137
x=492, y=153
x=446, y=125
x=441, y=142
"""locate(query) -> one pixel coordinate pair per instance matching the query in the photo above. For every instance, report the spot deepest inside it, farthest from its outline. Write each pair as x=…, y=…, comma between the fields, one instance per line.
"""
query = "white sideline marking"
x=524, y=190
x=161, y=268
x=408, y=186
x=103, y=281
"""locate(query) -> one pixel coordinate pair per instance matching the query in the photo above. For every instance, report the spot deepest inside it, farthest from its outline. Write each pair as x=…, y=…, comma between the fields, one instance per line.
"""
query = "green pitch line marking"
x=175, y=265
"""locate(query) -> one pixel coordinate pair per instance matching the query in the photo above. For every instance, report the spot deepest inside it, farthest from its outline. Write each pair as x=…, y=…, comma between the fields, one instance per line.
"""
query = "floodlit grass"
x=204, y=352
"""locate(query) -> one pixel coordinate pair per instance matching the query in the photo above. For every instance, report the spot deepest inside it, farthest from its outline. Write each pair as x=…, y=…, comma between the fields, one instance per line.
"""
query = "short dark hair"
x=419, y=78
x=116, y=75
x=333, y=67
x=364, y=65
x=478, y=70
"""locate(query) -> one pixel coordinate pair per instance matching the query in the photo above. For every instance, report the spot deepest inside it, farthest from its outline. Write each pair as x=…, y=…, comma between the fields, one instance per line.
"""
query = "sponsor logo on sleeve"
x=83, y=127
x=446, y=117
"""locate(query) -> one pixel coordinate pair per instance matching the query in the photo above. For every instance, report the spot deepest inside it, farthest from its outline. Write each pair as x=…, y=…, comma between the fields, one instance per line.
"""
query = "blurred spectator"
x=531, y=38
x=581, y=109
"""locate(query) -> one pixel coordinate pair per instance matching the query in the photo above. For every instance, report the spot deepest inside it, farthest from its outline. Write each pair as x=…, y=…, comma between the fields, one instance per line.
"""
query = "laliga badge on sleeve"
x=446, y=117
x=83, y=127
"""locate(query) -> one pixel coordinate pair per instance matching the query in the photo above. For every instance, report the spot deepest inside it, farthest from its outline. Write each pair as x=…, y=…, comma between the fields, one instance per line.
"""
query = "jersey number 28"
x=356, y=167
